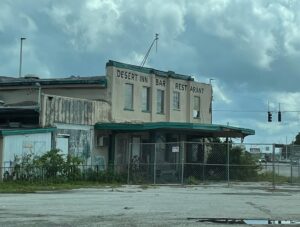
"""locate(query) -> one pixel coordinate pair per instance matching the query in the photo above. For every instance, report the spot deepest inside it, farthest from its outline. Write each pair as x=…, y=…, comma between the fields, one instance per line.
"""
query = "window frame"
x=148, y=106
x=127, y=85
x=161, y=101
x=197, y=111
x=176, y=102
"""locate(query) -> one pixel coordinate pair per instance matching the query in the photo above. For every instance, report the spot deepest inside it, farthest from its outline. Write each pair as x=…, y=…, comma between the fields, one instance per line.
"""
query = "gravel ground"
x=150, y=206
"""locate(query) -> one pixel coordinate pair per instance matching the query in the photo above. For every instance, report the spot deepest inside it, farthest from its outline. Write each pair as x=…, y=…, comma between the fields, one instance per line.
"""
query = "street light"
x=20, y=68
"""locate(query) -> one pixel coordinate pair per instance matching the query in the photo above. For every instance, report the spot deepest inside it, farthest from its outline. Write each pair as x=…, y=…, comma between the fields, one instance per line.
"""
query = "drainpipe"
x=39, y=100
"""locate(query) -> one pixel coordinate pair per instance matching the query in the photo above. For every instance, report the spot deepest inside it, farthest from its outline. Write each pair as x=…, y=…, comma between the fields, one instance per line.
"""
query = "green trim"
x=173, y=125
x=146, y=111
x=146, y=70
x=8, y=132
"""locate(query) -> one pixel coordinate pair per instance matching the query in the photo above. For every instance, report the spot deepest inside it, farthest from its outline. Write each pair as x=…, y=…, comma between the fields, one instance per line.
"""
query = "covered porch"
x=162, y=147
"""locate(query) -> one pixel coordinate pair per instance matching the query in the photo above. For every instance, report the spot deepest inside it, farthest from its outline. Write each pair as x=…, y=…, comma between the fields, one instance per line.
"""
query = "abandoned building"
x=104, y=118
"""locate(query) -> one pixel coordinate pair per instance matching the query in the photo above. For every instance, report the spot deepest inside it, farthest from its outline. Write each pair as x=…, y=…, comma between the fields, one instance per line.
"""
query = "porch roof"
x=23, y=131
x=205, y=130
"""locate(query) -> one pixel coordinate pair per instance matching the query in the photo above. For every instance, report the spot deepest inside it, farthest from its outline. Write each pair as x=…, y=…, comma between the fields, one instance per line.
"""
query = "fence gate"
x=155, y=163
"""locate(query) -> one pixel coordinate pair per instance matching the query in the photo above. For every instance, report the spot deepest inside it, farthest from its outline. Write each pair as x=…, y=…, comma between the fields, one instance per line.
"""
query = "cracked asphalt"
x=150, y=206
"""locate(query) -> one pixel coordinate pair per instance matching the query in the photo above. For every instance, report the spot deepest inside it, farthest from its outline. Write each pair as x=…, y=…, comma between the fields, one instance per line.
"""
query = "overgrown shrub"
x=242, y=165
x=54, y=167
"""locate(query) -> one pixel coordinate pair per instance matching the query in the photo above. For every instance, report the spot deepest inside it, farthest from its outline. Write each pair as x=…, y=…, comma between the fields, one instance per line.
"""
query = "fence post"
x=228, y=156
x=182, y=161
x=154, y=165
x=273, y=166
x=128, y=161
x=291, y=163
x=203, y=162
x=298, y=170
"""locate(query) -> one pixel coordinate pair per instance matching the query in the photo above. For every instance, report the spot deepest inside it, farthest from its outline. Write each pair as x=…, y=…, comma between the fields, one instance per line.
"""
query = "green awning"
x=206, y=130
x=23, y=131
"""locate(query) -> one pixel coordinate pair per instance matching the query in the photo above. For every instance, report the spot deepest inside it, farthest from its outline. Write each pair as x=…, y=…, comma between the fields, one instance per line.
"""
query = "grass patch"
x=32, y=187
x=268, y=176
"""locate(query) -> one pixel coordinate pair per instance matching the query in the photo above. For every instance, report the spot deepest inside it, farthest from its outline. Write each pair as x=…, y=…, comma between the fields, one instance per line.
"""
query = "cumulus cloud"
x=250, y=47
x=220, y=95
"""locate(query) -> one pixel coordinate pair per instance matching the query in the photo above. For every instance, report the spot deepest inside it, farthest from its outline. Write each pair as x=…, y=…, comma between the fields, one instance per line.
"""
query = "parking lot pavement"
x=149, y=206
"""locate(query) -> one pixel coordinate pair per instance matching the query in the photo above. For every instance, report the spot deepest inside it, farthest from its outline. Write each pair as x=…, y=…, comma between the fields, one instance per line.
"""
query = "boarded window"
x=160, y=97
x=128, y=97
x=145, y=99
x=176, y=100
x=196, y=110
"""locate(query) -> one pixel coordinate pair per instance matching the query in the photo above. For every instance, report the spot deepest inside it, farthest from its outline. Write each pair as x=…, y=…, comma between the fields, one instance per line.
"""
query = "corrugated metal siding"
x=58, y=109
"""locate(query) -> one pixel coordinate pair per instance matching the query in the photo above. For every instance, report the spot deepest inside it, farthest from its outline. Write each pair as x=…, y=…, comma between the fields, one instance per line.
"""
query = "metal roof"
x=206, y=130
x=73, y=80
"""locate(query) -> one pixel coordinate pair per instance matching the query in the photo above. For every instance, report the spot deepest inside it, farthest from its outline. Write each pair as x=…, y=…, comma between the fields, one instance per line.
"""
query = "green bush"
x=242, y=165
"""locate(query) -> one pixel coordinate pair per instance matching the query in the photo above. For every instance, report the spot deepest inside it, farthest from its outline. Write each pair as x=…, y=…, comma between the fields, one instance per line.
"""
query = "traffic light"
x=269, y=116
x=279, y=116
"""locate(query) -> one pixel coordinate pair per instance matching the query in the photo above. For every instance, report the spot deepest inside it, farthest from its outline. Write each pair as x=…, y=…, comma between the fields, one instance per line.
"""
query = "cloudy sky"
x=251, y=48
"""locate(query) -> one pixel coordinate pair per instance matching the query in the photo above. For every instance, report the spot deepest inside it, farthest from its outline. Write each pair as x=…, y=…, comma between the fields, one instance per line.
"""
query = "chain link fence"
x=178, y=163
x=203, y=162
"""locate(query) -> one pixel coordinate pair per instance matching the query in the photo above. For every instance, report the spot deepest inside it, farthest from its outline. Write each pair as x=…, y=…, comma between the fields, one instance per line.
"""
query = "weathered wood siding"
x=58, y=109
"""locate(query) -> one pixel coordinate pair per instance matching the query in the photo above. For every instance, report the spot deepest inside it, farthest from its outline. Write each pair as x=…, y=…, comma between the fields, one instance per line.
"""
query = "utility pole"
x=20, y=66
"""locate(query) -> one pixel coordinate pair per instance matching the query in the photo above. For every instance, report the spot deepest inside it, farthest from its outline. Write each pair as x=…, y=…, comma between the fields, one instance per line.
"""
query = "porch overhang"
x=203, y=130
x=24, y=131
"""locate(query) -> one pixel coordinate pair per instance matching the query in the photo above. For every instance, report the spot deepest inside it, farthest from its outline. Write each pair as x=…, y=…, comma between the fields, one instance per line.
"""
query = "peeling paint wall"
x=80, y=142
x=100, y=151
x=58, y=109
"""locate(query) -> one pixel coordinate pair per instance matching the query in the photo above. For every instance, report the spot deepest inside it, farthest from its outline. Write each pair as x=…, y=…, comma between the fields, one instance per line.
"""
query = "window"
x=176, y=100
x=160, y=97
x=145, y=99
x=196, y=110
x=128, y=97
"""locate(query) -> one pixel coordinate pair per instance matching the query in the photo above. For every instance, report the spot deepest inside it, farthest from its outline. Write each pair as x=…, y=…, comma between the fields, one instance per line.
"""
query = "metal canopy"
x=204, y=130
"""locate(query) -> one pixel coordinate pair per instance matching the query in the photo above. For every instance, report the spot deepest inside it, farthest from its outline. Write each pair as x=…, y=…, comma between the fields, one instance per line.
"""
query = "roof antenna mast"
x=148, y=52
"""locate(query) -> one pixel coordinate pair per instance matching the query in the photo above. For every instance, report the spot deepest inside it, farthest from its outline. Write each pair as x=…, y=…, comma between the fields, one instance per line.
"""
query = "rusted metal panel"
x=67, y=110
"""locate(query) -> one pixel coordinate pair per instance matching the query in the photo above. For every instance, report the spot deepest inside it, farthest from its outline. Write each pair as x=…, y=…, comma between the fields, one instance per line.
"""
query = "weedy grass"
x=32, y=187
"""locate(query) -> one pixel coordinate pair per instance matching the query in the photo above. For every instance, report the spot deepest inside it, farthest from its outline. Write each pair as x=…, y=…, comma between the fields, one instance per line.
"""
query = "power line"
x=257, y=111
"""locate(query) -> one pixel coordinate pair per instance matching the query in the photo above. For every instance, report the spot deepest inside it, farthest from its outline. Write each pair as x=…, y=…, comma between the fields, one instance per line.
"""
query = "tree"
x=297, y=139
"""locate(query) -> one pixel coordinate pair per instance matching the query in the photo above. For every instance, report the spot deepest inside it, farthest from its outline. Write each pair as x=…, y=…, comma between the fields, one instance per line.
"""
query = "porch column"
x=111, y=150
